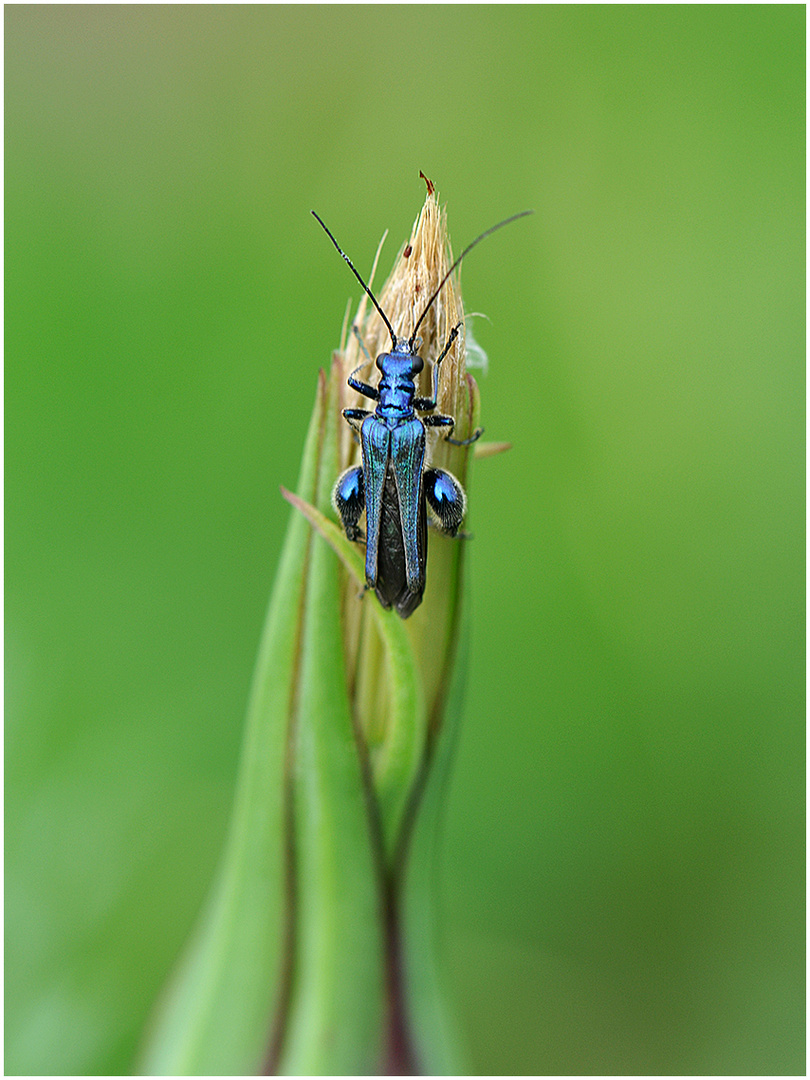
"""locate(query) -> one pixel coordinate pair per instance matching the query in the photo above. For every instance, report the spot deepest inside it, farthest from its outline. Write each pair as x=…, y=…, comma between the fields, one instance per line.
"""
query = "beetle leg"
x=363, y=388
x=446, y=500
x=476, y=435
x=355, y=417
x=426, y=404
x=349, y=500
x=366, y=353
x=449, y=422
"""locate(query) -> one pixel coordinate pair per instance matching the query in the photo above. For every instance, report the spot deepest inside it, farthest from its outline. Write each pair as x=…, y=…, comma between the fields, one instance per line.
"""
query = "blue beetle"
x=393, y=485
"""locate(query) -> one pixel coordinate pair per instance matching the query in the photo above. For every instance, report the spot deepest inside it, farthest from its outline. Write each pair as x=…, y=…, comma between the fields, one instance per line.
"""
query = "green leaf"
x=437, y=1044
x=217, y=1014
x=334, y=1024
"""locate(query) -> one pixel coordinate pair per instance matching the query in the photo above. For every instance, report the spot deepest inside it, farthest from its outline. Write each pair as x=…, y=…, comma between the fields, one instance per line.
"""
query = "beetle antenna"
x=382, y=314
x=466, y=251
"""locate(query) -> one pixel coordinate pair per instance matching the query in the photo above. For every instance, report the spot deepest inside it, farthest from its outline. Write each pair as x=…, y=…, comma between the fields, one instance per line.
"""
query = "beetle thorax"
x=396, y=386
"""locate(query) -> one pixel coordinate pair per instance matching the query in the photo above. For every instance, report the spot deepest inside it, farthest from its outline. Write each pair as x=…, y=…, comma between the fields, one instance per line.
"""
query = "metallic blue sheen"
x=391, y=483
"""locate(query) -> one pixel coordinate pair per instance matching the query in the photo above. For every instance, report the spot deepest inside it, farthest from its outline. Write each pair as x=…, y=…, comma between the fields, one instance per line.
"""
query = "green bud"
x=316, y=952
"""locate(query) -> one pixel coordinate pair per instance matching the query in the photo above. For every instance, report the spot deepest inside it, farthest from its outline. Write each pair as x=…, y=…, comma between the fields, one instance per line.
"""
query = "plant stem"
x=400, y=1054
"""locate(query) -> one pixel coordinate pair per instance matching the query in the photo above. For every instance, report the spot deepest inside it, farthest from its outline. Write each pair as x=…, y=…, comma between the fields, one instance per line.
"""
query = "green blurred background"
x=623, y=878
